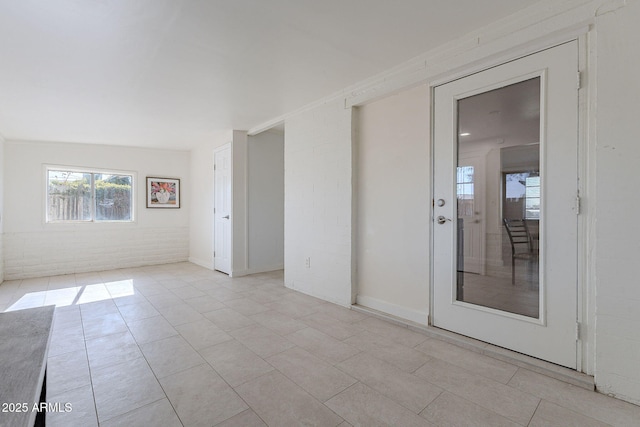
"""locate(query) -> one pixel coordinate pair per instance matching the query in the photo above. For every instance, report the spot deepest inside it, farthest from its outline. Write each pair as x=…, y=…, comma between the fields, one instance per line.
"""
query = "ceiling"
x=177, y=73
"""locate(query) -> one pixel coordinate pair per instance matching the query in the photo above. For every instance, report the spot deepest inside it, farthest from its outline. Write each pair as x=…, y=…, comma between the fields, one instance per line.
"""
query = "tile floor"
x=179, y=345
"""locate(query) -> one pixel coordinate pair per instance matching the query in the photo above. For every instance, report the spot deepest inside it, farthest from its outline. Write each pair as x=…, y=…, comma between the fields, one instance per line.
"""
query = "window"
x=75, y=195
x=521, y=195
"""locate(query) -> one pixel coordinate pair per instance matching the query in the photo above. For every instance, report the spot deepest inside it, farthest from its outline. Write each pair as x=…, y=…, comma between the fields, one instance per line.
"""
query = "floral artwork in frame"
x=163, y=192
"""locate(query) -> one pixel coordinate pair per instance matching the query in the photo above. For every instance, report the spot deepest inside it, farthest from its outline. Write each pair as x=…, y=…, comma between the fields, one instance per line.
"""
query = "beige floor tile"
x=292, y=309
x=107, y=324
x=170, y=355
x=133, y=312
x=549, y=414
x=158, y=413
x=204, y=284
x=245, y=306
x=82, y=411
x=67, y=317
x=223, y=294
x=278, y=322
x=330, y=326
x=403, y=357
x=121, y=388
x=173, y=283
x=163, y=299
x=363, y=406
x=67, y=371
x=152, y=329
x=112, y=350
x=280, y=402
x=186, y=292
x=472, y=361
x=263, y=296
x=228, y=319
x=136, y=298
x=95, y=359
x=93, y=293
x=235, y=362
x=62, y=297
x=342, y=314
x=202, y=333
x=395, y=333
x=261, y=340
x=27, y=300
x=98, y=309
x=247, y=418
x=120, y=288
x=200, y=397
x=179, y=313
x=67, y=339
x=151, y=289
x=585, y=402
x=204, y=304
x=449, y=410
x=504, y=400
x=316, y=376
x=406, y=389
x=322, y=345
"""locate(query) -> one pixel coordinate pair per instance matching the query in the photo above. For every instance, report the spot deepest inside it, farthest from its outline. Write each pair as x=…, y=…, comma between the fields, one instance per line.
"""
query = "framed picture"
x=163, y=193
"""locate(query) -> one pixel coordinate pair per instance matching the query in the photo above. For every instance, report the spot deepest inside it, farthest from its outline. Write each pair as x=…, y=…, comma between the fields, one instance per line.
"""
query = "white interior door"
x=222, y=209
x=523, y=115
x=470, y=181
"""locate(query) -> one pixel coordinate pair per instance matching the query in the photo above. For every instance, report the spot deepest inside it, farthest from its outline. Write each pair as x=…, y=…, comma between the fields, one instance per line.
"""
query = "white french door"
x=518, y=123
x=222, y=209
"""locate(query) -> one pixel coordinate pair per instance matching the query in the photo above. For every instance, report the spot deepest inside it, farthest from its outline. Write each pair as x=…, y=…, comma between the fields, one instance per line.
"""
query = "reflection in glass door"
x=498, y=198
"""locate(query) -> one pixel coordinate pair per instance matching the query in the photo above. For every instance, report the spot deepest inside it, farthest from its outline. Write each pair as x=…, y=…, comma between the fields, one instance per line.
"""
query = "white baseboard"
x=415, y=316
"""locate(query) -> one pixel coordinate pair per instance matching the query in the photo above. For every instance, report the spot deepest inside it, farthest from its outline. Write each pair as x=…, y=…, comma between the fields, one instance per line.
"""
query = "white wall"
x=617, y=248
x=2, y=167
x=318, y=173
x=266, y=201
x=318, y=168
x=202, y=230
x=392, y=192
x=239, y=224
x=201, y=204
x=34, y=248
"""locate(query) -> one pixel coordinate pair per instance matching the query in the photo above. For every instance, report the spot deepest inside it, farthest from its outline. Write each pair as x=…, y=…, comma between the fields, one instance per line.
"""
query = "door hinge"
x=214, y=254
x=578, y=205
x=578, y=331
x=579, y=82
x=214, y=166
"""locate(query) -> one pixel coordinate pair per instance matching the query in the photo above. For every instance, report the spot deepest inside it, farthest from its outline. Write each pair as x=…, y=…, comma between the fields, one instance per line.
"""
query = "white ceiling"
x=176, y=73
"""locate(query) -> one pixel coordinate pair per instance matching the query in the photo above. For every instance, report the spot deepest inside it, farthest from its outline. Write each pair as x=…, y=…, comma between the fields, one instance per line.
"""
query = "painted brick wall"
x=318, y=175
x=617, y=226
x=74, y=251
x=33, y=247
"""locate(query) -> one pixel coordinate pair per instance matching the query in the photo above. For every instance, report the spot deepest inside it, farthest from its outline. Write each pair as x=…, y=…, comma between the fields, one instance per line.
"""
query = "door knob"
x=225, y=217
x=442, y=220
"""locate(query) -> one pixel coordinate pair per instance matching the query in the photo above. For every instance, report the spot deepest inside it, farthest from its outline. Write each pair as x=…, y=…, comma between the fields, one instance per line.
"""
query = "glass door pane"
x=498, y=198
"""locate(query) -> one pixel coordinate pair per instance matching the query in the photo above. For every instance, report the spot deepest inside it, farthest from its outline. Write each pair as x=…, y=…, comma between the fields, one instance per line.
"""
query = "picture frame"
x=163, y=193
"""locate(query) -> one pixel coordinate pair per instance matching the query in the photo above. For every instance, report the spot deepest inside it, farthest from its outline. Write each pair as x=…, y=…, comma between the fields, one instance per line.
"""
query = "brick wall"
x=74, y=251
x=318, y=175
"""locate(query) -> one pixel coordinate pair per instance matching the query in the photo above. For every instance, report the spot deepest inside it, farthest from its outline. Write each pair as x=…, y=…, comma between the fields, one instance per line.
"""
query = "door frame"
x=223, y=147
x=585, y=292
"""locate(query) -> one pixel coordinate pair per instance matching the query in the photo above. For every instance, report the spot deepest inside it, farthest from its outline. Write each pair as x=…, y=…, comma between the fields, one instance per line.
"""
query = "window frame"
x=532, y=174
x=92, y=171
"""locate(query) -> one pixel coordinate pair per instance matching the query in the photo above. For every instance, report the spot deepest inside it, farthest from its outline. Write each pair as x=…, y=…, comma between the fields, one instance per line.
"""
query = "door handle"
x=225, y=217
x=442, y=220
